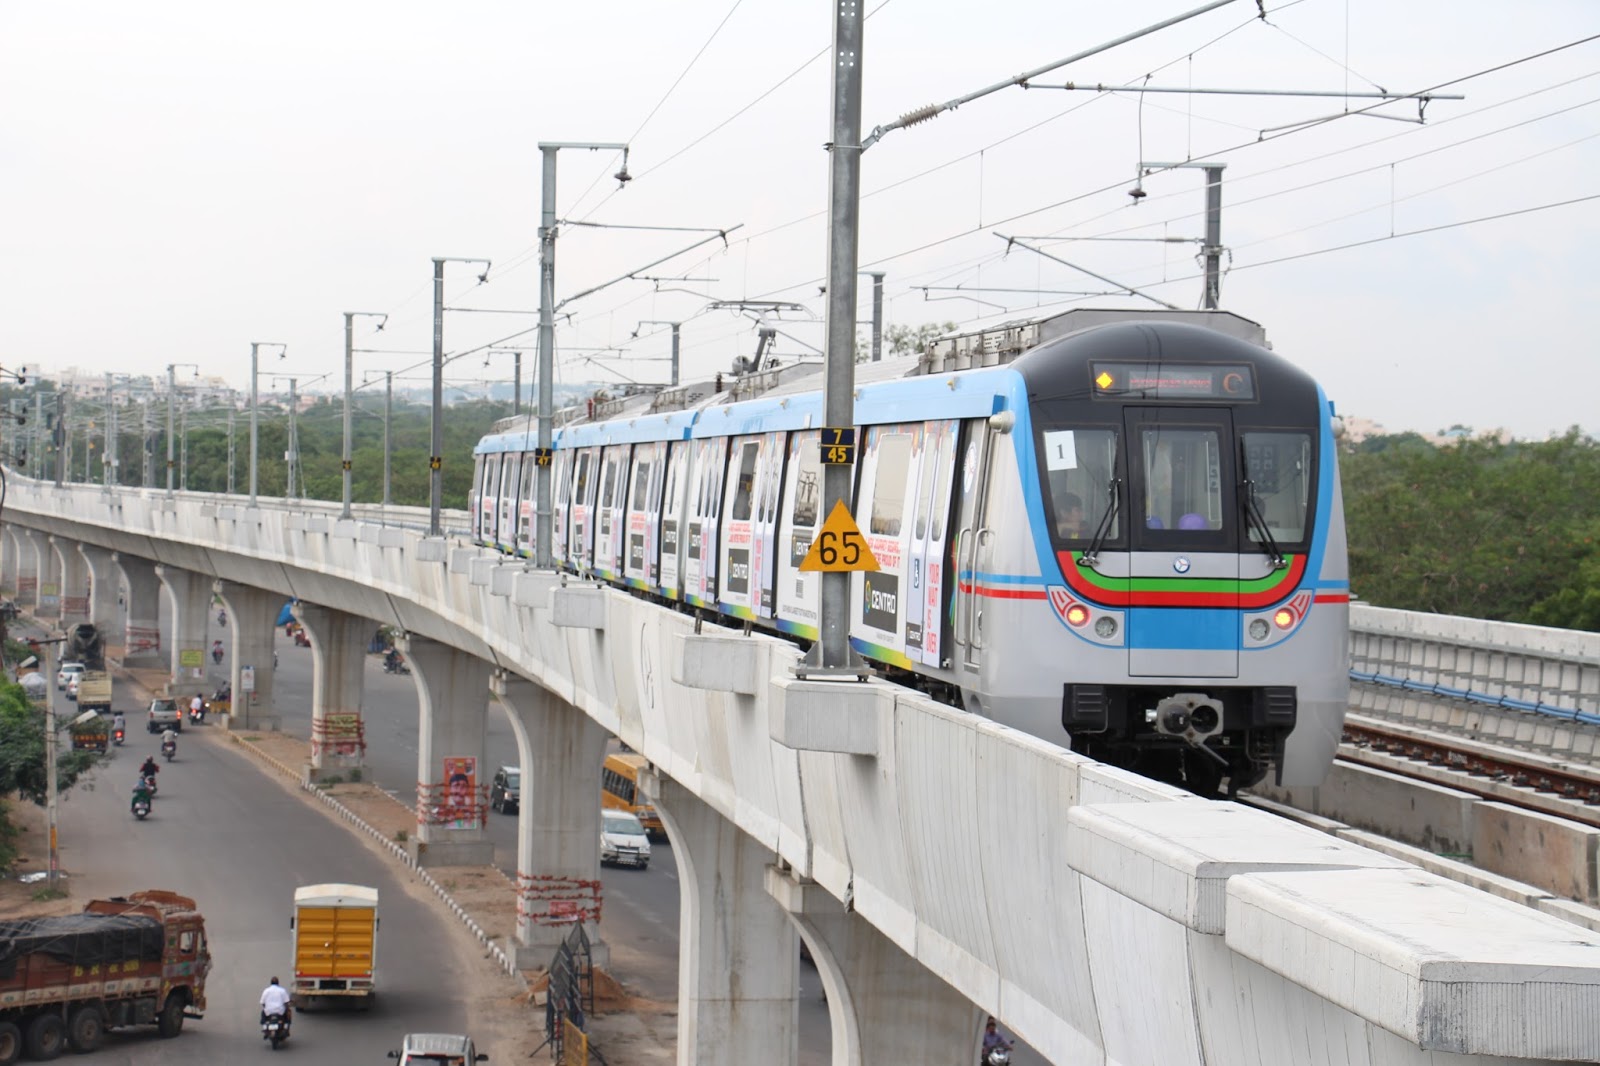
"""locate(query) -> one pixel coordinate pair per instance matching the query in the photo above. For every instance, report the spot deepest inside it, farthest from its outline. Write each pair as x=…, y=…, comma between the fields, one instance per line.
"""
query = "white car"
x=449, y=1049
x=623, y=840
x=67, y=672
x=72, y=686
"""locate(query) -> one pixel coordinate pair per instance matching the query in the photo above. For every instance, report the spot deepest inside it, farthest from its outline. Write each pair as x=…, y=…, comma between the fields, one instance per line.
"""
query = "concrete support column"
x=189, y=594
x=338, y=658
x=27, y=570
x=141, y=635
x=10, y=555
x=738, y=954
x=558, y=821
x=883, y=1005
x=105, y=585
x=45, y=591
x=251, y=662
x=452, y=778
x=74, y=581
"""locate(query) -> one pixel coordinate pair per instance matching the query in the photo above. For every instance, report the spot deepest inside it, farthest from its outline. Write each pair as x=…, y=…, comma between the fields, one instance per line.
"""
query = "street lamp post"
x=436, y=437
x=349, y=373
x=255, y=347
x=547, y=301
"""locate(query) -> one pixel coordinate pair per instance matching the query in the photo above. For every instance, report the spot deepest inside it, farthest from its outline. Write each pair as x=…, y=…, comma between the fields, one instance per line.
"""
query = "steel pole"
x=172, y=411
x=844, y=209
x=255, y=440
x=516, y=376
x=675, y=355
x=230, y=452
x=543, y=532
x=294, y=451
x=108, y=459
x=349, y=369
x=877, y=314
x=50, y=761
x=436, y=438
x=1213, y=295
x=388, y=412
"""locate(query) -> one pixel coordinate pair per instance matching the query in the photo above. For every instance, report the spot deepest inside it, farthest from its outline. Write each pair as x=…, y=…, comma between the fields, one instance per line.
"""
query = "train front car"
x=1184, y=507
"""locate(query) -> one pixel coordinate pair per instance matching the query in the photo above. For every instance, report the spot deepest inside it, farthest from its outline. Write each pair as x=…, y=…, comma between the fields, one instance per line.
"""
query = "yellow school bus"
x=619, y=788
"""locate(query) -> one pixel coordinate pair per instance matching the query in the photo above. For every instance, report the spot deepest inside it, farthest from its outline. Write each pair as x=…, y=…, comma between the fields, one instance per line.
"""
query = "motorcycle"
x=998, y=1056
x=216, y=656
x=275, y=1029
x=117, y=737
x=141, y=806
x=198, y=716
x=169, y=748
x=396, y=666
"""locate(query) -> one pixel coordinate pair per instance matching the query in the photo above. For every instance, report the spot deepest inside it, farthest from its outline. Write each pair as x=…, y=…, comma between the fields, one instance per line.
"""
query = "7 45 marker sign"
x=839, y=546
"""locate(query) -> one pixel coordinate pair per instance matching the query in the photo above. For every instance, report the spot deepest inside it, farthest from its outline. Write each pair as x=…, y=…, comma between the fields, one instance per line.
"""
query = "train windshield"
x=1183, y=478
x=1276, y=468
x=1080, y=465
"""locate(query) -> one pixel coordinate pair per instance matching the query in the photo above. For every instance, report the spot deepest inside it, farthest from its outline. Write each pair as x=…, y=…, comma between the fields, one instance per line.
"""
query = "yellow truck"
x=335, y=944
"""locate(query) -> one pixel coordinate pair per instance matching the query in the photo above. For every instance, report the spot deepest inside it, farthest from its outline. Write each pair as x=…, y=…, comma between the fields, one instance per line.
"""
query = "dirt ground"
x=33, y=854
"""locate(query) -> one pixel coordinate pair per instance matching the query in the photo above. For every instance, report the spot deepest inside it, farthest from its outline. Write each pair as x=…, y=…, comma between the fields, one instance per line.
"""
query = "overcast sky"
x=179, y=179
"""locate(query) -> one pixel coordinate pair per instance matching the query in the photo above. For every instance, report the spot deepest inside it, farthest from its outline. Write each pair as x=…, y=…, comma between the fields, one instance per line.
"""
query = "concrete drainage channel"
x=1439, y=828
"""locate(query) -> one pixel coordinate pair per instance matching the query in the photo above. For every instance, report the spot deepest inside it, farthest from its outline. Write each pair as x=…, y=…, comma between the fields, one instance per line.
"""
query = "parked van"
x=335, y=943
x=619, y=790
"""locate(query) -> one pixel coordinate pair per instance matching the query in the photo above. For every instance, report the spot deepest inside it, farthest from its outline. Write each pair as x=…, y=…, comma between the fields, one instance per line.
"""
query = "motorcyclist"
x=149, y=769
x=275, y=999
x=197, y=709
x=991, y=1040
x=141, y=793
x=216, y=651
x=391, y=660
x=119, y=723
x=169, y=737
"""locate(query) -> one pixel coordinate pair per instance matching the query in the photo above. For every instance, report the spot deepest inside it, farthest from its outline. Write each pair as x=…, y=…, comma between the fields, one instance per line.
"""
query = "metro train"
x=1121, y=531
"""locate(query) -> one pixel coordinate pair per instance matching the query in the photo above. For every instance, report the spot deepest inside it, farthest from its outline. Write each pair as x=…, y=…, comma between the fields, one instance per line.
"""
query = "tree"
x=22, y=755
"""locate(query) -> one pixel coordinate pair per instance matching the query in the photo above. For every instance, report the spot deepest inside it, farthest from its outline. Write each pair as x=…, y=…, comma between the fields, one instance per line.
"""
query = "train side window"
x=807, y=481
x=925, y=486
x=641, y=484
x=744, y=487
x=889, y=481
x=580, y=487
x=944, y=460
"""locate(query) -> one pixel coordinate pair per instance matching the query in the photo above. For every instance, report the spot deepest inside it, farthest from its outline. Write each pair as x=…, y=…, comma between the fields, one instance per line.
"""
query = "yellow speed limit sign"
x=839, y=545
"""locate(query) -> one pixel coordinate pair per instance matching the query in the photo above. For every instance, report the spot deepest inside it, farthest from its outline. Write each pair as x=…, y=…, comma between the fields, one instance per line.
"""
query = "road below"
x=239, y=842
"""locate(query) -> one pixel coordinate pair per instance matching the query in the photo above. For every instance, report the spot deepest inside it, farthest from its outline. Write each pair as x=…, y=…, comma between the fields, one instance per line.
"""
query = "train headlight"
x=1105, y=627
x=1258, y=629
x=1283, y=618
x=1077, y=614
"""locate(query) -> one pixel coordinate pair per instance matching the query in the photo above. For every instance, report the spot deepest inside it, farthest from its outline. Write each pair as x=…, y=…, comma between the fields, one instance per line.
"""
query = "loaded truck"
x=335, y=941
x=86, y=644
x=130, y=960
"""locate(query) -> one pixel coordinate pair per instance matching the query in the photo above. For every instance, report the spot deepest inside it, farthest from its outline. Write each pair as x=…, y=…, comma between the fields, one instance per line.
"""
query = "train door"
x=486, y=498
x=561, y=504
x=527, y=525
x=505, y=537
x=765, y=543
x=888, y=483
x=700, y=567
x=925, y=598
x=609, y=512
x=735, y=593
x=1183, y=535
x=798, y=593
x=673, y=505
x=474, y=494
x=973, y=542
x=643, y=498
x=585, y=486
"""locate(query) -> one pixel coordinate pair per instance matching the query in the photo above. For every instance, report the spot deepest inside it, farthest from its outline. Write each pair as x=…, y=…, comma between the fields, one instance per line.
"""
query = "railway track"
x=1525, y=779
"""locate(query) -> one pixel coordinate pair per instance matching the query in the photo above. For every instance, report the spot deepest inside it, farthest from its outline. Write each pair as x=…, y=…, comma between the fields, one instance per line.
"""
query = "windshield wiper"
x=1254, y=519
x=1091, y=555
